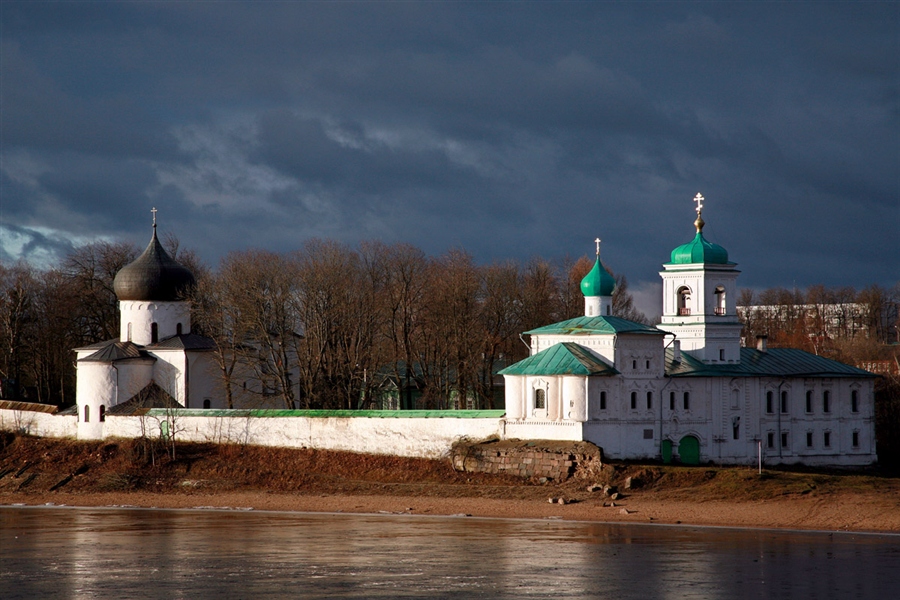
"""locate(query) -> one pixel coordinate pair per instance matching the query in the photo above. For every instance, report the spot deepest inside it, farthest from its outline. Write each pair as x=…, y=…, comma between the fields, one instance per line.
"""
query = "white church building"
x=686, y=389
x=156, y=362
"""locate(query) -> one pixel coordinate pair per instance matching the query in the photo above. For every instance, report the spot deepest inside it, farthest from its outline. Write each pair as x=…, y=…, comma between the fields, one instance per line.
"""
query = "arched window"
x=128, y=338
x=633, y=400
x=649, y=400
x=684, y=300
x=809, y=399
x=154, y=333
x=720, y=300
x=102, y=412
x=826, y=401
x=854, y=401
x=206, y=403
x=602, y=400
x=87, y=414
x=178, y=329
x=769, y=402
x=540, y=398
x=784, y=401
x=687, y=401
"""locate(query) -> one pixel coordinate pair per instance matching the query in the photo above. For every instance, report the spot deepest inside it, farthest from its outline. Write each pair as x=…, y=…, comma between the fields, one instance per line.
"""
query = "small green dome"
x=598, y=282
x=699, y=250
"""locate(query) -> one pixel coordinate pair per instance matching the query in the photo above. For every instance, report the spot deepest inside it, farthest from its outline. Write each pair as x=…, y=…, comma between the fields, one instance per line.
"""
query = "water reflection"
x=116, y=553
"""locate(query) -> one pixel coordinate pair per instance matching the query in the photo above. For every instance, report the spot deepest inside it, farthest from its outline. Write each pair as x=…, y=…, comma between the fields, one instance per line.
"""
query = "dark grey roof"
x=114, y=350
x=185, y=341
x=28, y=406
x=154, y=275
x=97, y=345
x=775, y=362
x=151, y=396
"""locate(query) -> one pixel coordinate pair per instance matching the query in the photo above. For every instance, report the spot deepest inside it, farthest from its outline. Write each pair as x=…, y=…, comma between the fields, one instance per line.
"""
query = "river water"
x=51, y=552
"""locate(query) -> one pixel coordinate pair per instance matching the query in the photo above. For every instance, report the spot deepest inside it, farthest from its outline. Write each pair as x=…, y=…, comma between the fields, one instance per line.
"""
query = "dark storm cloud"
x=507, y=129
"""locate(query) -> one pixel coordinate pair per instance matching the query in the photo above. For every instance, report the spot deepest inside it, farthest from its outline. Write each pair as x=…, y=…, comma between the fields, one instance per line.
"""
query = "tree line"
x=840, y=322
x=327, y=326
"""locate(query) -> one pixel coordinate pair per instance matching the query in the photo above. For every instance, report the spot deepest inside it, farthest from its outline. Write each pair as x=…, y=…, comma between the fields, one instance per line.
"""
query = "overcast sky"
x=509, y=130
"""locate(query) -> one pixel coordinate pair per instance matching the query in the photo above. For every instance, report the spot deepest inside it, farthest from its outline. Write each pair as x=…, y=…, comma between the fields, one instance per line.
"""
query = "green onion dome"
x=699, y=250
x=598, y=282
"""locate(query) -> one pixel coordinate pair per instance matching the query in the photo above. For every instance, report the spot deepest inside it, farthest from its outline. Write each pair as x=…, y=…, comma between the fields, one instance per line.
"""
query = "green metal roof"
x=594, y=326
x=699, y=250
x=384, y=414
x=566, y=358
x=598, y=282
x=775, y=362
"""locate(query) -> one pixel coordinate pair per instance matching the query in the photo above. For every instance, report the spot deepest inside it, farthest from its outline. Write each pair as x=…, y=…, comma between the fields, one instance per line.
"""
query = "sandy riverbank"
x=39, y=472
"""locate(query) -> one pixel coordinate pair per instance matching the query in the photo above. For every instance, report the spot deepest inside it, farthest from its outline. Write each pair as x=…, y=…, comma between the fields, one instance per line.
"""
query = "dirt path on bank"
x=36, y=471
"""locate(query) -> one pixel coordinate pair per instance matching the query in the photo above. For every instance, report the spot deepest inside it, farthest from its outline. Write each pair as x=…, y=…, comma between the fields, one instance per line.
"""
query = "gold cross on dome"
x=597, y=241
x=699, y=200
x=153, y=210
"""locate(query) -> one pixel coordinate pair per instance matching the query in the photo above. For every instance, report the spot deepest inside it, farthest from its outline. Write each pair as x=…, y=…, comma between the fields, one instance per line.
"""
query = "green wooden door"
x=689, y=450
x=666, y=449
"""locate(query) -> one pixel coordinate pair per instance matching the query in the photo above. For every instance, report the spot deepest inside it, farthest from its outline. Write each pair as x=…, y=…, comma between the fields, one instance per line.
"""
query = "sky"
x=510, y=130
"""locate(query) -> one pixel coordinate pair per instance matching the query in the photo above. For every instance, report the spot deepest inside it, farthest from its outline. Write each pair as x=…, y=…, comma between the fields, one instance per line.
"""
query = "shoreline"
x=833, y=514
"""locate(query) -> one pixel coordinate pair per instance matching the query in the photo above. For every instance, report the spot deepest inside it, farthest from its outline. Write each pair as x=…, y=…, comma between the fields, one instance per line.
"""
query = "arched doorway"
x=689, y=450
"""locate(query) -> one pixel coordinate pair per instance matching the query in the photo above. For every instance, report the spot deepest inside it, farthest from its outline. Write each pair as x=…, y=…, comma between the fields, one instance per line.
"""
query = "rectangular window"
x=826, y=401
x=648, y=364
x=721, y=354
x=687, y=401
x=854, y=401
x=602, y=400
x=809, y=440
x=769, y=408
x=856, y=439
x=648, y=434
x=633, y=400
x=784, y=439
x=671, y=400
x=770, y=440
x=827, y=439
x=540, y=399
x=649, y=400
x=784, y=402
x=809, y=399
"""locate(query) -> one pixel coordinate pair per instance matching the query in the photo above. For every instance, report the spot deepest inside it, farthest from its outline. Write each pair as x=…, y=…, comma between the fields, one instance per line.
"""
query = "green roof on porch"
x=594, y=326
x=566, y=358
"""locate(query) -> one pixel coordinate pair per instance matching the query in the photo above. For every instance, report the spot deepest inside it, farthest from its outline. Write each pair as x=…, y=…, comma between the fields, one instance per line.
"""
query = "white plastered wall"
x=141, y=314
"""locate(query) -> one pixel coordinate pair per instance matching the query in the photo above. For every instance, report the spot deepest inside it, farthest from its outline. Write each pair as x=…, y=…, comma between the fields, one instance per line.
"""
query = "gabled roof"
x=775, y=362
x=114, y=351
x=151, y=396
x=185, y=341
x=566, y=358
x=594, y=326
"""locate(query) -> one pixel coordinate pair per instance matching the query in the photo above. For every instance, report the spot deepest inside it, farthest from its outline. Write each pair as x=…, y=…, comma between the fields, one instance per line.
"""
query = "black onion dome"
x=154, y=275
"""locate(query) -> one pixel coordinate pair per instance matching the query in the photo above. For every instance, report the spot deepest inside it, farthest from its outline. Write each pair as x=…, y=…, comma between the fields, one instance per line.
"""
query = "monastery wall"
x=430, y=436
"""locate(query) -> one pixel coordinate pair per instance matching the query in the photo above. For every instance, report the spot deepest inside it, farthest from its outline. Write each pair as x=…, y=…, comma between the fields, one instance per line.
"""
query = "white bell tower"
x=699, y=298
